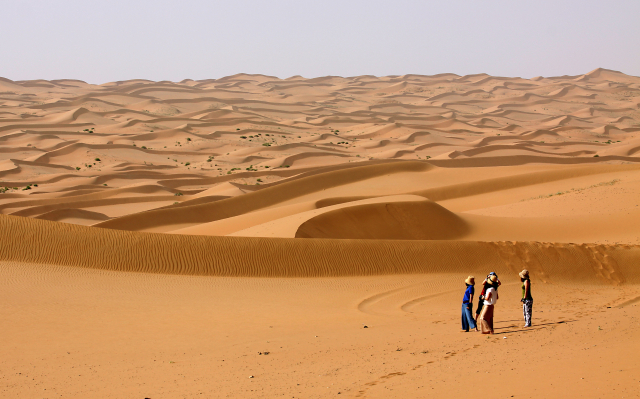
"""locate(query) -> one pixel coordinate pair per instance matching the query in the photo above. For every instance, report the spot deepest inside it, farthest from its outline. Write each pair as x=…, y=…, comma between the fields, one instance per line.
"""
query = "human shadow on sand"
x=532, y=328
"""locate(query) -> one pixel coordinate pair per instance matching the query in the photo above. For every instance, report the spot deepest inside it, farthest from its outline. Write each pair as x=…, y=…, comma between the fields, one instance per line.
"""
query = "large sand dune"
x=233, y=237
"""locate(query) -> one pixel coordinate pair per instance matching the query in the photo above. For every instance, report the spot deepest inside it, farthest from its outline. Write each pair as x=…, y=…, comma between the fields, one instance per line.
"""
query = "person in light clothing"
x=485, y=285
x=491, y=296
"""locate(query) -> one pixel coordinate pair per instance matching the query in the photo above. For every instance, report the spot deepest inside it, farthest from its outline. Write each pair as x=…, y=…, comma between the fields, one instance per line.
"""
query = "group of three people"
x=487, y=300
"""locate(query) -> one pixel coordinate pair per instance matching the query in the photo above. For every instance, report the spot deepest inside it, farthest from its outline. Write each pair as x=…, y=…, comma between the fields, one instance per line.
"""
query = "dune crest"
x=69, y=245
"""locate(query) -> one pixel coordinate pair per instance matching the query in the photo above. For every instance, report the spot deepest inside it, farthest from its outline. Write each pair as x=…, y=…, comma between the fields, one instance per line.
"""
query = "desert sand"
x=260, y=237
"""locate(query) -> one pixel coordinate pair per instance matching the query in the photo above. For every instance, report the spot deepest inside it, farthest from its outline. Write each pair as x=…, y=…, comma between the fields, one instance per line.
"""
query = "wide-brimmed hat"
x=524, y=274
x=470, y=280
x=493, y=278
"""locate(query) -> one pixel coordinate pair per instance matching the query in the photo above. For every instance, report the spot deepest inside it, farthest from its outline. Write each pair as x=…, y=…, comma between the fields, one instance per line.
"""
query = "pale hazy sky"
x=108, y=40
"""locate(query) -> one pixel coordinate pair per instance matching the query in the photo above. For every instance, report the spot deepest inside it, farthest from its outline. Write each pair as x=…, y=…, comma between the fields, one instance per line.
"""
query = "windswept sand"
x=158, y=238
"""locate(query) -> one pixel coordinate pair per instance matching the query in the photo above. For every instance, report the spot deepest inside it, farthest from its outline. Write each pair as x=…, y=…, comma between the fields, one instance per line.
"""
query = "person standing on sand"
x=491, y=296
x=527, y=299
x=467, y=305
x=485, y=285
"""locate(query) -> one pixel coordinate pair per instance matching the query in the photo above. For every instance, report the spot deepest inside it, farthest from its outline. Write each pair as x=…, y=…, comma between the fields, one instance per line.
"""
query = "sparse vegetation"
x=575, y=190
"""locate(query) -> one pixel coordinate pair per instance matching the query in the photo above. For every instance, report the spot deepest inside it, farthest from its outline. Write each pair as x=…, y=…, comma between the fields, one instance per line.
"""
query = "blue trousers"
x=467, y=317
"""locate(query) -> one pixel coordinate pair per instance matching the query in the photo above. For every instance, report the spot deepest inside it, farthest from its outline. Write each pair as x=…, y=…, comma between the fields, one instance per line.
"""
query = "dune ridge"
x=70, y=245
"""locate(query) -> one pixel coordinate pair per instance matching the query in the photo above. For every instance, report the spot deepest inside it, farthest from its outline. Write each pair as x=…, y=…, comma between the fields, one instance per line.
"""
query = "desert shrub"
x=97, y=159
x=187, y=164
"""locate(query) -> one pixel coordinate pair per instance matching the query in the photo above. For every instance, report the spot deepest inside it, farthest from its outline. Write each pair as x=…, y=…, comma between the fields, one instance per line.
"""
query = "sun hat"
x=470, y=280
x=493, y=278
x=524, y=274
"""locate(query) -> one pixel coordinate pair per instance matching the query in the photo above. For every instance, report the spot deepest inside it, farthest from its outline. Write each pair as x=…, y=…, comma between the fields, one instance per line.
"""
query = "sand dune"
x=252, y=236
x=64, y=244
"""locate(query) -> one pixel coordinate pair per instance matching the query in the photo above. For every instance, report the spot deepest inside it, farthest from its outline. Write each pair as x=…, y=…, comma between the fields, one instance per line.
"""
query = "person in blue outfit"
x=467, y=305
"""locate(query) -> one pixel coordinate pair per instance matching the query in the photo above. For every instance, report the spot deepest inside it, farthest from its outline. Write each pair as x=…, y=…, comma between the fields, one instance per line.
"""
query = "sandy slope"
x=158, y=238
